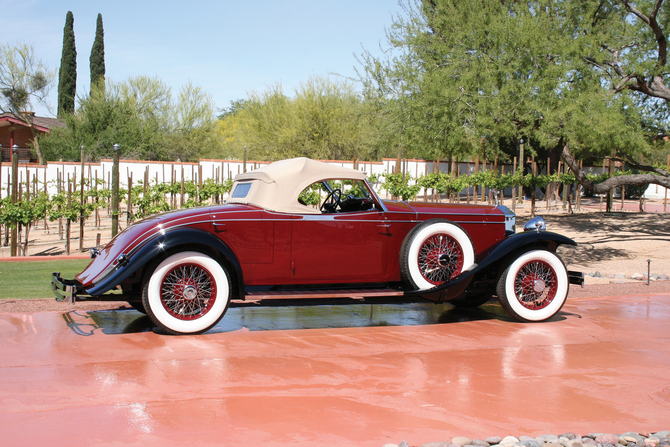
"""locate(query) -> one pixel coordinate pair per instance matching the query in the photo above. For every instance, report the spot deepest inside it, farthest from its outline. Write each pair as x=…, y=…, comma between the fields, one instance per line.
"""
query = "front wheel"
x=534, y=286
x=187, y=293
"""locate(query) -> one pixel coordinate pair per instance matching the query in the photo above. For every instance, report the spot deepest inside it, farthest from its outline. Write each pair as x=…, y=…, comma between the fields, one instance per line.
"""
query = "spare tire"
x=434, y=252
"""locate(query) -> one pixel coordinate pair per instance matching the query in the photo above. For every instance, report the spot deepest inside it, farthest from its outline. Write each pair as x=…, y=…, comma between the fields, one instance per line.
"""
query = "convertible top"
x=276, y=187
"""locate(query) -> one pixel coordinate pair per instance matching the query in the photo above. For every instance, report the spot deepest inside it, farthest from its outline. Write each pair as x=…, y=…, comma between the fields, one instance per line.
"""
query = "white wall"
x=164, y=172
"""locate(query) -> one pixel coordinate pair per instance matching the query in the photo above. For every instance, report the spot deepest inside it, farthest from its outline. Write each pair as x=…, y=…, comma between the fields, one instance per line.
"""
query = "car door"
x=340, y=247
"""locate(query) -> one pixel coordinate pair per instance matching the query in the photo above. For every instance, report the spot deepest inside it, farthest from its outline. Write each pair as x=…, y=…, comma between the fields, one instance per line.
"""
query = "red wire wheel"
x=435, y=252
x=188, y=291
x=440, y=259
x=535, y=285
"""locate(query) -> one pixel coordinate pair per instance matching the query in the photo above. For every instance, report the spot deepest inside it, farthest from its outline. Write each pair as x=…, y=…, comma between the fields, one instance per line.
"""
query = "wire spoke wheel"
x=535, y=285
x=435, y=252
x=188, y=291
x=440, y=258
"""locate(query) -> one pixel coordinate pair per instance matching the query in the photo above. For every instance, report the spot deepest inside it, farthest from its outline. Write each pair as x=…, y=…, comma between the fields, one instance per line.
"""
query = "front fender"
x=514, y=243
x=161, y=244
x=519, y=241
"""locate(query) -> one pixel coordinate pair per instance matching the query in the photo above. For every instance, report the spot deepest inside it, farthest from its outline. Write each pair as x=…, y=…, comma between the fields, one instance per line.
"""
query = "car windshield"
x=338, y=195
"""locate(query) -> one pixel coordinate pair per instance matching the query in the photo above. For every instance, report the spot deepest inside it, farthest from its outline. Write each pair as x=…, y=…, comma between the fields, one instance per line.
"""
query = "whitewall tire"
x=534, y=286
x=187, y=293
x=435, y=252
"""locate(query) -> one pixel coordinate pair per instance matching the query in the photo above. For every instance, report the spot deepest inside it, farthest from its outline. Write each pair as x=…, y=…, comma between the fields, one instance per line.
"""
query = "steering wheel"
x=332, y=201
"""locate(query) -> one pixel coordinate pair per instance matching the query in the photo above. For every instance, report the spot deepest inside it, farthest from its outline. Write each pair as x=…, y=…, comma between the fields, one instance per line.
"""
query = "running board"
x=316, y=294
x=320, y=297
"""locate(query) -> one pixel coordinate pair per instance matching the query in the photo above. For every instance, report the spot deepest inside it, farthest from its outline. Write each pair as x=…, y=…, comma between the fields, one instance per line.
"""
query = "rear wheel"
x=435, y=252
x=187, y=293
x=534, y=286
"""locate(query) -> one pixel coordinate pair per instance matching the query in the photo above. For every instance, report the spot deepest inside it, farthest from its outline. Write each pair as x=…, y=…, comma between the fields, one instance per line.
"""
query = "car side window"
x=241, y=190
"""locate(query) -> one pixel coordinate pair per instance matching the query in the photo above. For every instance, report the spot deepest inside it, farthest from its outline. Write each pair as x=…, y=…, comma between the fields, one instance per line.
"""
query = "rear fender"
x=162, y=244
x=515, y=243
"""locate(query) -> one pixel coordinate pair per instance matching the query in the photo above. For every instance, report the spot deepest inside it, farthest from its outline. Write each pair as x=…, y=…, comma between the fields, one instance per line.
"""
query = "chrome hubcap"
x=539, y=285
x=190, y=292
x=444, y=259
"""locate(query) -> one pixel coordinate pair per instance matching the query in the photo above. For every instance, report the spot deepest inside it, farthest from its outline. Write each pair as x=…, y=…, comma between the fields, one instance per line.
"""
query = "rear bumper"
x=64, y=290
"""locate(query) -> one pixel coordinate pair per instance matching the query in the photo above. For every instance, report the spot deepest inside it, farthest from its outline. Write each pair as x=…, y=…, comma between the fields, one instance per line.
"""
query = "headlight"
x=535, y=224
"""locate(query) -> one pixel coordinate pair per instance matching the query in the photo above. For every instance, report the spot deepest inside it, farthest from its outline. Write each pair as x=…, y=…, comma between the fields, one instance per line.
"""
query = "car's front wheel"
x=534, y=286
x=187, y=293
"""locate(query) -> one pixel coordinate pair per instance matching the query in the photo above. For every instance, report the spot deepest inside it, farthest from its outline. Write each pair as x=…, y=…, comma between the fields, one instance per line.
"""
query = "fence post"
x=97, y=212
x=82, y=219
x=610, y=193
x=15, y=184
x=115, y=191
x=129, y=217
x=532, y=188
x=522, y=165
x=665, y=200
x=513, y=188
x=181, y=195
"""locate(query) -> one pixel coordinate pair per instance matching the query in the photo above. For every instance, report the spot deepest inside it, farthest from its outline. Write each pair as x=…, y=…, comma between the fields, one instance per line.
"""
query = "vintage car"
x=185, y=268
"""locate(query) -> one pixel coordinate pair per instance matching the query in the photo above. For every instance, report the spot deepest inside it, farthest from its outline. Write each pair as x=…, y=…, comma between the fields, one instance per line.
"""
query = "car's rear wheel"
x=435, y=252
x=187, y=293
x=534, y=286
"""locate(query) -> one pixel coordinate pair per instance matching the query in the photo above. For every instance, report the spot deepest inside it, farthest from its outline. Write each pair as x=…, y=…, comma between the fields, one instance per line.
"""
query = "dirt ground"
x=617, y=243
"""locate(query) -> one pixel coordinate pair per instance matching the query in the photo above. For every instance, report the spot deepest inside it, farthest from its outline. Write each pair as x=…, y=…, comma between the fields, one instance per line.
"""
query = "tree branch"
x=655, y=27
x=625, y=158
x=612, y=182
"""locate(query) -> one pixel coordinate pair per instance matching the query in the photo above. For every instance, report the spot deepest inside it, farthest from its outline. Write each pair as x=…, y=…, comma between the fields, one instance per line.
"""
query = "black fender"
x=514, y=243
x=162, y=244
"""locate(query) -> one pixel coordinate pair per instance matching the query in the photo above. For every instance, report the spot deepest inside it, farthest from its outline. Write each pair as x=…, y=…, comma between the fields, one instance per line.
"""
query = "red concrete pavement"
x=335, y=375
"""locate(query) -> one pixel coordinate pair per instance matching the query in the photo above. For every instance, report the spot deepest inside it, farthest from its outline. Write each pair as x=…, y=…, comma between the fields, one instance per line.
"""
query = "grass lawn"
x=32, y=279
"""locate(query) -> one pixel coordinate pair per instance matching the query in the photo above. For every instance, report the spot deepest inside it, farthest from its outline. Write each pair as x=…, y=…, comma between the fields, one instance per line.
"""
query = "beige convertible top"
x=276, y=187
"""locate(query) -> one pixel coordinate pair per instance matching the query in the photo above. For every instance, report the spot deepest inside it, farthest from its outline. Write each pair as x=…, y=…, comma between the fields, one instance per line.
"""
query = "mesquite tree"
x=474, y=78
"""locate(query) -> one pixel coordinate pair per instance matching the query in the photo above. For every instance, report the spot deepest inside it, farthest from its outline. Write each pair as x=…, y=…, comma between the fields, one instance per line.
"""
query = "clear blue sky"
x=228, y=48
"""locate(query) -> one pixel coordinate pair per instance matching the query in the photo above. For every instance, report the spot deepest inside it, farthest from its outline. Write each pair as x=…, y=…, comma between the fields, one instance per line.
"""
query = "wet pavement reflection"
x=296, y=317
x=361, y=375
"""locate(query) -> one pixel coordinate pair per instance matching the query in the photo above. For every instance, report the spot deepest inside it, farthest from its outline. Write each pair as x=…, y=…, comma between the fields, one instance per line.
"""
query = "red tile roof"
x=42, y=123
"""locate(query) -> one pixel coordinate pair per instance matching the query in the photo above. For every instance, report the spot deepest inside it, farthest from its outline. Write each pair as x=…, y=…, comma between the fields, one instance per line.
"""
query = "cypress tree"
x=97, y=59
x=67, y=75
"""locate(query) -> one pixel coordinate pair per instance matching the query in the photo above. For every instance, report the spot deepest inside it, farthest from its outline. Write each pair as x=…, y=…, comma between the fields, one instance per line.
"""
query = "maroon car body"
x=184, y=268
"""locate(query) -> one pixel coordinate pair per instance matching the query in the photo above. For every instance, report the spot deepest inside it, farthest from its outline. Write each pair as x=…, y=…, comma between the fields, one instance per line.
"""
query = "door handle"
x=385, y=229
